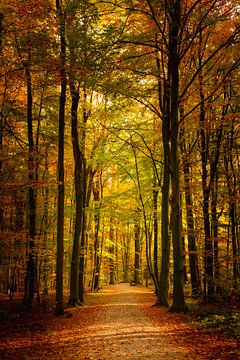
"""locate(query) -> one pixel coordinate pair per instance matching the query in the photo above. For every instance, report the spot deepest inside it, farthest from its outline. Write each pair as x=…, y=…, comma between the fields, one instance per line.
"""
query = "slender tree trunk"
x=192, y=247
x=60, y=166
x=125, y=256
x=111, y=258
x=1, y=29
x=162, y=299
x=232, y=214
x=146, y=229
x=81, y=283
x=30, y=275
x=19, y=221
x=163, y=287
x=214, y=191
x=214, y=198
x=78, y=173
x=214, y=230
x=232, y=193
x=45, y=235
x=137, y=250
x=96, y=270
x=117, y=259
x=1, y=117
x=83, y=198
x=80, y=180
x=155, y=229
x=208, y=246
x=208, y=255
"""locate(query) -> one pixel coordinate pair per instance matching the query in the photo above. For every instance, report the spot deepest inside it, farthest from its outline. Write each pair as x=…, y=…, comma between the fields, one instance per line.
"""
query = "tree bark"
x=1, y=117
x=146, y=229
x=30, y=274
x=192, y=247
x=162, y=299
x=96, y=269
x=232, y=194
x=83, y=185
x=208, y=246
x=164, y=104
x=60, y=166
x=155, y=228
x=137, y=250
x=78, y=165
x=178, y=304
x=45, y=235
x=111, y=258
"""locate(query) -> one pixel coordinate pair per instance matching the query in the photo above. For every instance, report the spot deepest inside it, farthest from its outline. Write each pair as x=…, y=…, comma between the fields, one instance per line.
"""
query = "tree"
x=61, y=123
x=192, y=247
x=30, y=275
x=80, y=53
x=137, y=249
x=97, y=194
x=174, y=62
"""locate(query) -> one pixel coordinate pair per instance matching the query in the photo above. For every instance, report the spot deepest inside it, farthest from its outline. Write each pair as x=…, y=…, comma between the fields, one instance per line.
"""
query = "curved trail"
x=121, y=329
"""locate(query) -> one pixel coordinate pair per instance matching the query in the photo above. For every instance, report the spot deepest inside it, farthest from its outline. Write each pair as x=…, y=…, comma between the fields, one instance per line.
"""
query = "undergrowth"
x=220, y=319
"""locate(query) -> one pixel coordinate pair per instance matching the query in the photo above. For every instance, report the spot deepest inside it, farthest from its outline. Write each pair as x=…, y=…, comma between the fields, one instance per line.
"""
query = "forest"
x=120, y=153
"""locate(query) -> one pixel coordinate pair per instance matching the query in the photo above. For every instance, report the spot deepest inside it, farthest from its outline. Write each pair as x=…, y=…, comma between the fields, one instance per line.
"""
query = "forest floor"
x=116, y=323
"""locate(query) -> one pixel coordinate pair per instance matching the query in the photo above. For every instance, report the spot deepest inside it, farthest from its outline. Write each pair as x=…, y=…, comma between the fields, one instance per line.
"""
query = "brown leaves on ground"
x=117, y=323
x=202, y=343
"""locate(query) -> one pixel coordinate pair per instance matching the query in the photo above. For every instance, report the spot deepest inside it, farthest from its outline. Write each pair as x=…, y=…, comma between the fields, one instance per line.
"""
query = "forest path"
x=122, y=329
x=116, y=323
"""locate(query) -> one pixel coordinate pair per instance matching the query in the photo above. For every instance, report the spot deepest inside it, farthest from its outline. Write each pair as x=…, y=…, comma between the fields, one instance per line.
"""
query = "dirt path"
x=122, y=330
x=117, y=323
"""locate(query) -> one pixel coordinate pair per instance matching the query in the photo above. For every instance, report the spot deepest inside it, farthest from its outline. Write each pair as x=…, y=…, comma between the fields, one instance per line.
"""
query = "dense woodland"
x=120, y=148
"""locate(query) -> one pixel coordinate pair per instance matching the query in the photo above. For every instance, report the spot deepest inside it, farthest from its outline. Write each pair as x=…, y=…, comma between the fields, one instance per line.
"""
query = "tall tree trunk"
x=96, y=269
x=214, y=197
x=30, y=275
x=19, y=221
x=214, y=231
x=155, y=228
x=83, y=199
x=80, y=180
x=45, y=234
x=1, y=117
x=78, y=173
x=235, y=248
x=164, y=104
x=83, y=185
x=214, y=189
x=111, y=252
x=232, y=193
x=192, y=247
x=60, y=166
x=162, y=299
x=1, y=29
x=178, y=304
x=146, y=229
x=126, y=255
x=208, y=246
x=137, y=250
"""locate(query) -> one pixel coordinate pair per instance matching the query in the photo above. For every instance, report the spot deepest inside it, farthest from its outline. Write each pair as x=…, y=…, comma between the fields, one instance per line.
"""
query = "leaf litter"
x=119, y=322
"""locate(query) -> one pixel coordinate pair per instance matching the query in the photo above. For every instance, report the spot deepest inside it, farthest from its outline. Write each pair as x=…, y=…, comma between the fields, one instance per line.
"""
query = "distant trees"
x=174, y=30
